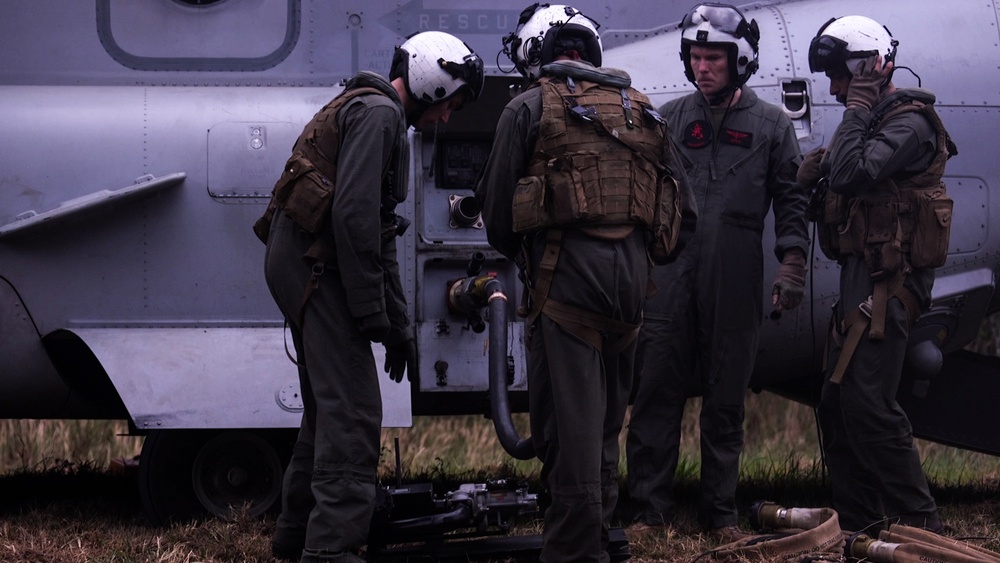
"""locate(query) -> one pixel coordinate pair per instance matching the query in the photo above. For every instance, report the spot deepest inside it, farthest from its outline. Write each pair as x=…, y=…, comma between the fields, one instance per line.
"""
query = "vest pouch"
x=643, y=189
x=666, y=222
x=528, y=209
x=304, y=193
x=833, y=219
x=309, y=201
x=569, y=180
x=932, y=230
x=296, y=166
x=881, y=236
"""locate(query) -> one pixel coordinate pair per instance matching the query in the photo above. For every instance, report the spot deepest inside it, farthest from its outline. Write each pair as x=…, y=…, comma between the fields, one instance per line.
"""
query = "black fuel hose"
x=517, y=447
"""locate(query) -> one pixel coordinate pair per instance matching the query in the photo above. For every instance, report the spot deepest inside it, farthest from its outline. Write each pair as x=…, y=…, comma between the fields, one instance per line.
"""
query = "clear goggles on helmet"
x=726, y=19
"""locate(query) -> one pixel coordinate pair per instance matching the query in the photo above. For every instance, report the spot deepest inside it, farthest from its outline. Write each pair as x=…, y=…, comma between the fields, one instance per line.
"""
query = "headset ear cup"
x=514, y=45
x=534, y=49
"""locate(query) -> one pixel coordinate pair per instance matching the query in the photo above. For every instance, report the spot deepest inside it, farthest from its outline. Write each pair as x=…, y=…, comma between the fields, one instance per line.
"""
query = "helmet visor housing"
x=842, y=43
x=436, y=66
x=828, y=53
x=720, y=17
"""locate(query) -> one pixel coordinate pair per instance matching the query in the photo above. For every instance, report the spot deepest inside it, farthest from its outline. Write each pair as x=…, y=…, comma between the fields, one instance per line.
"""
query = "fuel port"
x=464, y=212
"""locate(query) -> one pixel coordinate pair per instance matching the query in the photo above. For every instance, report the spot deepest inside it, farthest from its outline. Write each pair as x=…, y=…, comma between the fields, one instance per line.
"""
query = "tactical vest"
x=899, y=224
x=306, y=187
x=598, y=162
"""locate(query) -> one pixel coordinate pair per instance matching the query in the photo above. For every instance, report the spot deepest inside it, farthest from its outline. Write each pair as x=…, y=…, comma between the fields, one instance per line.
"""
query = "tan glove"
x=809, y=171
x=867, y=81
x=789, y=284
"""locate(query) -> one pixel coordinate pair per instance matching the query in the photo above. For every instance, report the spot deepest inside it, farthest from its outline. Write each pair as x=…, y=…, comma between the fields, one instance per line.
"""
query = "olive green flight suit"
x=577, y=393
x=329, y=485
x=874, y=467
x=701, y=328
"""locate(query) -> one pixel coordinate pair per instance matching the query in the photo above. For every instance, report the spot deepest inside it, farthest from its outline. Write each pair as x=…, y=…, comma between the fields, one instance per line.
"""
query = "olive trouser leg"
x=730, y=286
x=666, y=356
x=653, y=444
x=578, y=395
x=711, y=321
x=874, y=467
x=346, y=422
x=296, y=499
x=722, y=434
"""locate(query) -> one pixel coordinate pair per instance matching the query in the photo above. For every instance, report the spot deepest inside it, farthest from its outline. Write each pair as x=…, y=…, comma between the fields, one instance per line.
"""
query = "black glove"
x=374, y=327
x=399, y=357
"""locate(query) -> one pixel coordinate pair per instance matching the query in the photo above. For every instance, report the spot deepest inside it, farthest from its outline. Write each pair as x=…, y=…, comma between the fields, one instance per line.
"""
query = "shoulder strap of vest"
x=911, y=105
x=906, y=105
x=367, y=79
x=945, y=146
x=347, y=95
x=949, y=145
x=331, y=109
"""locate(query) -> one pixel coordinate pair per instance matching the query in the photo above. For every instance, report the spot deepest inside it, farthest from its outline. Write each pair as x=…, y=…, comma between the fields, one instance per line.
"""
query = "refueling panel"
x=450, y=245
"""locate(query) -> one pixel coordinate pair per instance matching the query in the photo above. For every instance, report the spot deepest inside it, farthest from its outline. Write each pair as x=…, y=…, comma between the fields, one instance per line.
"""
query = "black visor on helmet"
x=831, y=53
x=724, y=18
x=827, y=53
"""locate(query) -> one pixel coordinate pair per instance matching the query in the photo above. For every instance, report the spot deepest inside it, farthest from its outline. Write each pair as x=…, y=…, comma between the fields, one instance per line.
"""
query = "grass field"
x=61, y=503
x=780, y=434
x=63, y=497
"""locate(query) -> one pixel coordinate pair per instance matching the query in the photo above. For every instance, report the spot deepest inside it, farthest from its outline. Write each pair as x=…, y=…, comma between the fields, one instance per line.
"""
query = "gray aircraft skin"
x=140, y=142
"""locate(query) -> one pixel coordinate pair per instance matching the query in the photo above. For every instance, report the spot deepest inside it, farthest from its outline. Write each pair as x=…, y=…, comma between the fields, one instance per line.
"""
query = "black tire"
x=237, y=469
x=165, y=487
x=188, y=473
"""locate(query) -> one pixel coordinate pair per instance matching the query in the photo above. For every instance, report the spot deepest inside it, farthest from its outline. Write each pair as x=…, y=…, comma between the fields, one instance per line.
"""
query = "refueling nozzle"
x=468, y=296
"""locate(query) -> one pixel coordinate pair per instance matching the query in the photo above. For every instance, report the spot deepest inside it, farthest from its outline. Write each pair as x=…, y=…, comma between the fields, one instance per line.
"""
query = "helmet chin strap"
x=721, y=95
x=413, y=107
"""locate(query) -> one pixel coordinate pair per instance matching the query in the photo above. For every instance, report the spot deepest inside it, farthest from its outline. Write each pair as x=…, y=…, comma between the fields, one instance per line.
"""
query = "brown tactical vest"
x=897, y=224
x=599, y=160
x=306, y=186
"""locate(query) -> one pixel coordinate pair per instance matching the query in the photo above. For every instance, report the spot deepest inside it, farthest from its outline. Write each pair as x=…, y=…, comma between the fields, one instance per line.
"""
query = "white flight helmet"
x=533, y=43
x=721, y=25
x=435, y=66
x=842, y=43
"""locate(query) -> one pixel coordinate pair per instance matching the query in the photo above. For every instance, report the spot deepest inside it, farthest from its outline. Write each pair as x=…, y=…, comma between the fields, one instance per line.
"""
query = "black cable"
x=812, y=332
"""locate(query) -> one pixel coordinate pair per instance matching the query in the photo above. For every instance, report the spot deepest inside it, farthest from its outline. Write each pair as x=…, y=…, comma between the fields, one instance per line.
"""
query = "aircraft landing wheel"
x=184, y=473
x=236, y=469
x=165, y=474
